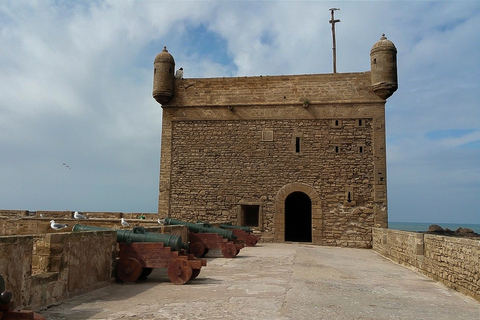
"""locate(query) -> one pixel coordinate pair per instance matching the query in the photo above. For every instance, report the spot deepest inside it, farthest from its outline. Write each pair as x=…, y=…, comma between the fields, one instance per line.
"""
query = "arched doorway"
x=298, y=217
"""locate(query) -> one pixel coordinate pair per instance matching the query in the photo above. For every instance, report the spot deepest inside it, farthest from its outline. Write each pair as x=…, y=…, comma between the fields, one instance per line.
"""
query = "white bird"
x=57, y=226
x=125, y=223
x=161, y=222
x=78, y=215
x=179, y=73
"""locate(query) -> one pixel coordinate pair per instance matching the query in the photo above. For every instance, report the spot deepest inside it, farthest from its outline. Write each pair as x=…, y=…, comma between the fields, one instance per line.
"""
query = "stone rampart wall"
x=44, y=269
x=452, y=261
x=229, y=164
x=17, y=222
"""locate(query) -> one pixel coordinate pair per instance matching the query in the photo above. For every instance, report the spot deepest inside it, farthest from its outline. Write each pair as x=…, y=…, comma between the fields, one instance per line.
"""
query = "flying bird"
x=161, y=222
x=57, y=226
x=179, y=73
x=78, y=215
x=67, y=166
x=125, y=223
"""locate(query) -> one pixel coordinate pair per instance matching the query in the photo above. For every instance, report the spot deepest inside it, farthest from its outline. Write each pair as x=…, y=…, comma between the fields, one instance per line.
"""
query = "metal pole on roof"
x=333, y=21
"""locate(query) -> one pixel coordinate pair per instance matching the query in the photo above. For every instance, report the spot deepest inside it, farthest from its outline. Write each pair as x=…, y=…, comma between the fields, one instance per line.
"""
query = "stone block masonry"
x=229, y=163
x=231, y=144
x=296, y=157
x=45, y=269
x=452, y=261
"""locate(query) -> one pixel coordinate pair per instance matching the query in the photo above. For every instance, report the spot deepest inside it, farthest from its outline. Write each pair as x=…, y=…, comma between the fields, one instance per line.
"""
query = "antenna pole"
x=333, y=21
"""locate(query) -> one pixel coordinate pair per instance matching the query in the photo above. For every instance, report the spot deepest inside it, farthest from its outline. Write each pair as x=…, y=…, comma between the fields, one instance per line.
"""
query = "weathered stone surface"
x=228, y=142
x=453, y=261
x=64, y=264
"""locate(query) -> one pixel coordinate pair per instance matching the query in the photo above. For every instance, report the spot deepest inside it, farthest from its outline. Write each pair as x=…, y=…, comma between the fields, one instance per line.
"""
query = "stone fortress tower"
x=297, y=157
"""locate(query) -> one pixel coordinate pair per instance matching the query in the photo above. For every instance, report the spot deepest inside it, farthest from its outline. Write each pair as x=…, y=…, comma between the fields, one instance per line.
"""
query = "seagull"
x=161, y=222
x=78, y=215
x=179, y=73
x=67, y=166
x=57, y=226
x=125, y=223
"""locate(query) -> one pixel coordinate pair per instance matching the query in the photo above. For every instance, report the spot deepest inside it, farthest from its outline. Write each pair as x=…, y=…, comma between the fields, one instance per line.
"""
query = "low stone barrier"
x=41, y=270
x=452, y=261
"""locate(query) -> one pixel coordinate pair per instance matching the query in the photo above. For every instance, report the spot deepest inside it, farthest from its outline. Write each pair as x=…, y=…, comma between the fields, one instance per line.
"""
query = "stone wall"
x=452, y=261
x=45, y=269
x=16, y=254
x=228, y=164
x=233, y=142
x=16, y=222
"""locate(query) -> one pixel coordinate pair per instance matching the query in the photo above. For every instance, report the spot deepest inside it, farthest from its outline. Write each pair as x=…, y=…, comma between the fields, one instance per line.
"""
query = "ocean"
x=423, y=226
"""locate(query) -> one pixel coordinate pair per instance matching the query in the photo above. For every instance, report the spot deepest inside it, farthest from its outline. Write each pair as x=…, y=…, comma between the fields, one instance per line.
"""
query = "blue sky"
x=77, y=79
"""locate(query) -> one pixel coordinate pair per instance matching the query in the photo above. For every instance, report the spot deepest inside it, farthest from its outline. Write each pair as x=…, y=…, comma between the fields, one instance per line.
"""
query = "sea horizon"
x=423, y=226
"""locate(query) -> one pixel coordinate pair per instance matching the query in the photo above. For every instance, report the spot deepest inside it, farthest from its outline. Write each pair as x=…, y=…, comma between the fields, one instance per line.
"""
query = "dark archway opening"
x=298, y=217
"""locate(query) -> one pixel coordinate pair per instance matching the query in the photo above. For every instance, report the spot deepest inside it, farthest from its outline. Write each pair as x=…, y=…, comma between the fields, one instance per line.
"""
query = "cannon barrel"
x=230, y=226
x=139, y=234
x=201, y=228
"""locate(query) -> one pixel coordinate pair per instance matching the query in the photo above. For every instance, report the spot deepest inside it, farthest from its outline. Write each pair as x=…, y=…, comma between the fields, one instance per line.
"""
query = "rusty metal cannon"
x=141, y=251
x=139, y=234
x=244, y=234
x=202, y=238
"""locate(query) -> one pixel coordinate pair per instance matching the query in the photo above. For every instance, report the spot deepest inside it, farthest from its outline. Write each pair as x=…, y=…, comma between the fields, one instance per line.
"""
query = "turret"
x=163, y=77
x=383, y=62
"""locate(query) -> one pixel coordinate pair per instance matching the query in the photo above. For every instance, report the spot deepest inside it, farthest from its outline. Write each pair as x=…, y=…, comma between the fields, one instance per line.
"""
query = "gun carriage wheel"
x=129, y=270
x=179, y=271
x=229, y=250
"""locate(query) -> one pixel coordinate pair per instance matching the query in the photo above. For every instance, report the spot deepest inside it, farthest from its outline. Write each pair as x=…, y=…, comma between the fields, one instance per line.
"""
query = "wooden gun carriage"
x=141, y=251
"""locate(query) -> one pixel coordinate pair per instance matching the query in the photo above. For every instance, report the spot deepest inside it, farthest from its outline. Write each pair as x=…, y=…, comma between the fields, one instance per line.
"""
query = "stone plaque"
x=267, y=135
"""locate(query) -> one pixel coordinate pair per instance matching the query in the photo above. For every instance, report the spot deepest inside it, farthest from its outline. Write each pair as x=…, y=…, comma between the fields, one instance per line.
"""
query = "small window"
x=349, y=197
x=360, y=122
x=250, y=215
x=336, y=123
x=337, y=149
x=297, y=141
x=361, y=149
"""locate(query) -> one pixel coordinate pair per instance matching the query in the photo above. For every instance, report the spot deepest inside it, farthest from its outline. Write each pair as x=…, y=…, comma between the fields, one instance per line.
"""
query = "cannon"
x=139, y=234
x=203, y=237
x=141, y=251
x=244, y=234
x=201, y=227
x=233, y=227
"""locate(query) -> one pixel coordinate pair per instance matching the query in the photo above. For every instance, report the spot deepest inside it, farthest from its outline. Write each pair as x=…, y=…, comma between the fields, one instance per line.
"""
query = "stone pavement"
x=279, y=281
